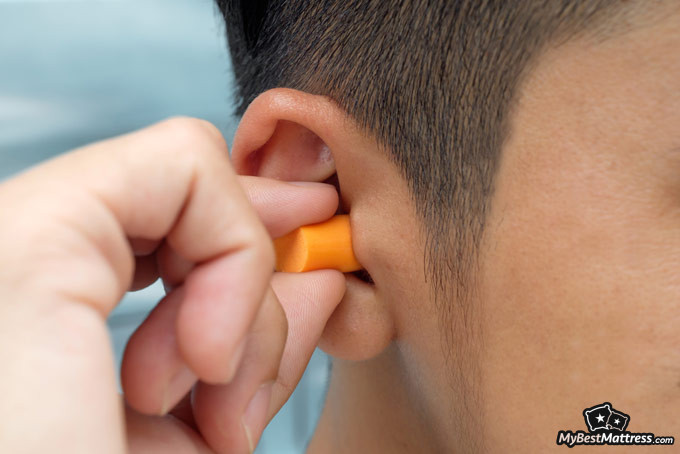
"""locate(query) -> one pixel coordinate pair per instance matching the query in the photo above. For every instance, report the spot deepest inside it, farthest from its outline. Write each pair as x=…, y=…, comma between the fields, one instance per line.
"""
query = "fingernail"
x=235, y=360
x=253, y=419
x=177, y=387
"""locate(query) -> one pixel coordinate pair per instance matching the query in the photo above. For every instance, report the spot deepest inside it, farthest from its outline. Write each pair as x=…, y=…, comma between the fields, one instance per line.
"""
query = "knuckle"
x=194, y=134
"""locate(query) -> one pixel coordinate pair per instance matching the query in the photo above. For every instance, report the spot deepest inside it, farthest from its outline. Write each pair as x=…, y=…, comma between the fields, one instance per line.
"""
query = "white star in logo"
x=617, y=420
x=600, y=418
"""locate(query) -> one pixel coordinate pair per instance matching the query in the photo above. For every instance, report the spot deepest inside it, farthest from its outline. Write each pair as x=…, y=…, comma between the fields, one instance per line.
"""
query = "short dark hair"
x=432, y=80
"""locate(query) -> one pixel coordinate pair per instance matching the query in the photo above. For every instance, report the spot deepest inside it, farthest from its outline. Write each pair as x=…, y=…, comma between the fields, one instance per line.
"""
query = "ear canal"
x=292, y=153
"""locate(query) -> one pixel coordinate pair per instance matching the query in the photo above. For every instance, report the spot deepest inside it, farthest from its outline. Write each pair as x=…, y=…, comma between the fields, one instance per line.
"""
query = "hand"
x=79, y=231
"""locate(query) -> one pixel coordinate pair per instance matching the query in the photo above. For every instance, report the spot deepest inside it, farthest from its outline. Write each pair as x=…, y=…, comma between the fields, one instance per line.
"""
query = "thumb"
x=308, y=299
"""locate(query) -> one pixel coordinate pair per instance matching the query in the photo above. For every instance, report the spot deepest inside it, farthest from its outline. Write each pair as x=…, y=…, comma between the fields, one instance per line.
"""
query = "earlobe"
x=294, y=136
x=361, y=326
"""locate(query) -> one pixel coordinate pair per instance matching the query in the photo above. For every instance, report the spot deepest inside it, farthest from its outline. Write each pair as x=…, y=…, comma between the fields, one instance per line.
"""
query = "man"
x=511, y=174
x=511, y=169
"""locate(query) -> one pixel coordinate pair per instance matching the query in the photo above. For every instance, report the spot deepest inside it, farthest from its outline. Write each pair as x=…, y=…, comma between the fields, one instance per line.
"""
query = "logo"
x=604, y=417
x=607, y=425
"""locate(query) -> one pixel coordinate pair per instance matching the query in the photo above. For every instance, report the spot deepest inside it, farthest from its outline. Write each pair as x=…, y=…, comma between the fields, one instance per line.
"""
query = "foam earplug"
x=317, y=246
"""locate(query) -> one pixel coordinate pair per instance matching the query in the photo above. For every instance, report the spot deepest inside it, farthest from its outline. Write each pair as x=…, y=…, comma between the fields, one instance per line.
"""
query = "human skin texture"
x=78, y=231
x=581, y=262
x=576, y=297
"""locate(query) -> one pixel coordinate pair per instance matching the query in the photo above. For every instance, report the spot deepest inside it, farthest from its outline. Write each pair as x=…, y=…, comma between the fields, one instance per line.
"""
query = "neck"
x=369, y=409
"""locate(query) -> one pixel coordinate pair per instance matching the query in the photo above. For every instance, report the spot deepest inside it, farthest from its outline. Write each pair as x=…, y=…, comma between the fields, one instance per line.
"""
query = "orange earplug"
x=313, y=247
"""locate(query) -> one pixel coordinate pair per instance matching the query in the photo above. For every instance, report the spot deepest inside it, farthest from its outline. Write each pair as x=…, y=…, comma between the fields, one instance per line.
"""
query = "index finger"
x=66, y=262
x=281, y=206
x=174, y=181
x=284, y=206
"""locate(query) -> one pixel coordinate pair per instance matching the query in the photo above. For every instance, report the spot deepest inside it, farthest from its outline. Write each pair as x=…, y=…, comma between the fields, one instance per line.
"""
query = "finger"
x=222, y=412
x=154, y=377
x=158, y=435
x=281, y=206
x=206, y=218
x=284, y=206
x=308, y=299
x=66, y=265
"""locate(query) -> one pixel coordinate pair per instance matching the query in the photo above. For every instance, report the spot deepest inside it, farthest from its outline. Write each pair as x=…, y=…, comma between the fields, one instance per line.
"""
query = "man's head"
x=432, y=81
x=511, y=173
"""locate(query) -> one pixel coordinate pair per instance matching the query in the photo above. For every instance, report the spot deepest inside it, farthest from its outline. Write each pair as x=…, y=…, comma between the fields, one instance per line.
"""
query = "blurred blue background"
x=76, y=71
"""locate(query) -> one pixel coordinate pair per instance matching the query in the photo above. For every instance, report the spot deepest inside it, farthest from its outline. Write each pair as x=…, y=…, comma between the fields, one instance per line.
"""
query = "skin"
x=578, y=290
x=576, y=295
x=164, y=202
x=581, y=283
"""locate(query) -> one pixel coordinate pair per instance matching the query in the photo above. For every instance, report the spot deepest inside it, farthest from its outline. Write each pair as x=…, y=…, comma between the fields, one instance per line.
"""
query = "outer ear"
x=283, y=135
x=293, y=136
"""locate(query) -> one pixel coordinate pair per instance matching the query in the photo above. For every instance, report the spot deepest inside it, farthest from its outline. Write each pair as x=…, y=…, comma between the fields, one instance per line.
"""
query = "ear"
x=279, y=137
x=294, y=136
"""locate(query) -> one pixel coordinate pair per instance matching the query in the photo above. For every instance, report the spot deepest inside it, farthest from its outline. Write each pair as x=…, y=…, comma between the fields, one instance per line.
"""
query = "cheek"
x=581, y=295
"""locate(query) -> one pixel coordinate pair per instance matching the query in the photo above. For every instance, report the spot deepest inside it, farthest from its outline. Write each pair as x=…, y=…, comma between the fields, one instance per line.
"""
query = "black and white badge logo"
x=604, y=417
x=607, y=426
